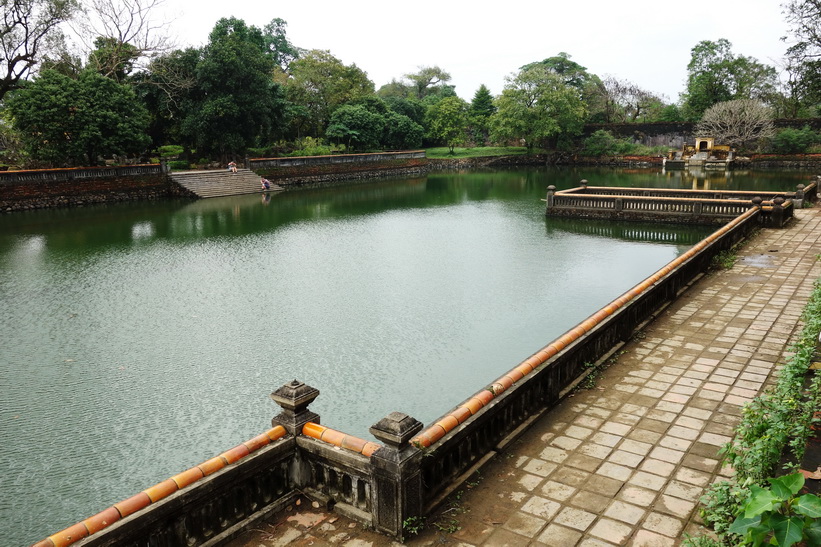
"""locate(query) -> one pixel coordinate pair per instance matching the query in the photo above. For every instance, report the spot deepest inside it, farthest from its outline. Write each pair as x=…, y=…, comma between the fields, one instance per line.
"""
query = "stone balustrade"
x=675, y=206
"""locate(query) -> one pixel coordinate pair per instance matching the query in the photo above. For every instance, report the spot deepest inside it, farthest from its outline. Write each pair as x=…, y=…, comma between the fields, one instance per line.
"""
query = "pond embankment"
x=77, y=187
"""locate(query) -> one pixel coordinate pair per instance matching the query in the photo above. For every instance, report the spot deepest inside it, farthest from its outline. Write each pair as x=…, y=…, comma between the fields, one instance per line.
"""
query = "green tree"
x=481, y=109
x=67, y=122
x=621, y=101
x=716, y=75
x=411, y=108
x=428, y=81
x=236, y=103
x=321, y=83
x=167, y=89
x=537, y=107
x=113, y=59
x=803, y=57
x=447, y=120
x=570, y=72
x=395, y=90
x=794, y=141
x=356, y=126
x=401, y=132
x=28, y=28
x=281, y=50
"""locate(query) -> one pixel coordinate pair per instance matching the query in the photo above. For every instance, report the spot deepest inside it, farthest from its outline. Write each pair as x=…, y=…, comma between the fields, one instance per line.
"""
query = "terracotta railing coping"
x=339, y=439
x=159, y=491
x=474, y=404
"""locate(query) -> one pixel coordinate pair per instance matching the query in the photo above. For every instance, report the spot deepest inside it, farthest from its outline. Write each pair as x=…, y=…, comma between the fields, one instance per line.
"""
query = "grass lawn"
x=478, y=152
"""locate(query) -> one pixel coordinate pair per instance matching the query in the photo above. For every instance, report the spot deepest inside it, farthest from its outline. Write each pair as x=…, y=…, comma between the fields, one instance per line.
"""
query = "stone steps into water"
x=211, y=184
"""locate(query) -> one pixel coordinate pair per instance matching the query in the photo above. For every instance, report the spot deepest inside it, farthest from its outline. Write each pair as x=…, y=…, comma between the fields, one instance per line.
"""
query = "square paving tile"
x=577, y=519
x=525, y=524
x=612, y=531
x=541, y=507
x=559, y=536
x=625, y=512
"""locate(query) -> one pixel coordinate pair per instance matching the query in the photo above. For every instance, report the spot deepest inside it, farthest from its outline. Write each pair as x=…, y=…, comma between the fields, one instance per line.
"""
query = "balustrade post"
x=551, y=190
x=698, y=207
x=583, y=182
x=619, y=205
x=798, y=200
x=397, y=474
x=778, y=212
x=294, y=399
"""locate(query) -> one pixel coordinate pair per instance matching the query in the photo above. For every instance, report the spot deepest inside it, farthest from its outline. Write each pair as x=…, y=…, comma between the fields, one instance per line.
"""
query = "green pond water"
x=138, y=340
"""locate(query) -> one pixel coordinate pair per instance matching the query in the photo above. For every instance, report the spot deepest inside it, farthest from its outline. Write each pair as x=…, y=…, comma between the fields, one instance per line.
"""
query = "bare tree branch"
x=127, y=30
x=27, y=28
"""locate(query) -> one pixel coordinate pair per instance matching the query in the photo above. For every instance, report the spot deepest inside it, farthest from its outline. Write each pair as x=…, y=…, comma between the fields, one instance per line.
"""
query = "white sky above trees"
x=647, y=42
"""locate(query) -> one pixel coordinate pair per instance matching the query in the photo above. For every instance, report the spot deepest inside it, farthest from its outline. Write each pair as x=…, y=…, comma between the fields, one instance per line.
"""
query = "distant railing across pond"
x=81, y=173
x=301, y=161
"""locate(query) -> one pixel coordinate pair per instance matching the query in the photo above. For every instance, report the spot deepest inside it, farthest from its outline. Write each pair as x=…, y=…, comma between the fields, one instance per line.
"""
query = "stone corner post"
x=779, y=216
x=798, y=200
x=551, y=191
x=294, y=399
x=397, y=474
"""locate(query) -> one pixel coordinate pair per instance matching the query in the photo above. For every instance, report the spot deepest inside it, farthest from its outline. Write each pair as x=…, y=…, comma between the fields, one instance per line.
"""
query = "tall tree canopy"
x=68, y=122
x=447, y=120
x=538, y=107
x=481, y=109
x=620, y=101
x=321, y=83
x=715, y=75
x=236, y=103
x=804, y=57
x=570, y=72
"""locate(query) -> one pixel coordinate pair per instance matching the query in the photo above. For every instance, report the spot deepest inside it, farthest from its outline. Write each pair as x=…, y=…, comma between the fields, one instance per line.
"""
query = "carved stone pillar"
x=550, y=191
x=397, y=484
x=294, y=399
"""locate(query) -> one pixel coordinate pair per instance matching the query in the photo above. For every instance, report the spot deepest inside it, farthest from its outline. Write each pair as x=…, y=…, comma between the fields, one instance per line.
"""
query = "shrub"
x=178, y=165
x=310, y=146
x=794, y=141
x=600, y=143
x=170, y=151
x=779, y=515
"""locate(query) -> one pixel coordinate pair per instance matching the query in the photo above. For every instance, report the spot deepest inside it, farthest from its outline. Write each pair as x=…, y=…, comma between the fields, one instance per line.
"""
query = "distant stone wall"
x=49, y=188
x=328, y=175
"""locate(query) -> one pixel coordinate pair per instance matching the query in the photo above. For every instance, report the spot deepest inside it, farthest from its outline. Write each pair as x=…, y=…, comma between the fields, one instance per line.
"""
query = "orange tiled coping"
x=105, y=518
x=478, y=401
x=342, y=440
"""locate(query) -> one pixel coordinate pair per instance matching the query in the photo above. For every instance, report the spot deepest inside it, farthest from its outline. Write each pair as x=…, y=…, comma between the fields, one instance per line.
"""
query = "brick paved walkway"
x=625, y=462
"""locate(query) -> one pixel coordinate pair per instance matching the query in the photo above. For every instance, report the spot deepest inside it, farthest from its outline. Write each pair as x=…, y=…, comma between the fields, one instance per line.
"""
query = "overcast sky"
x=644, y=41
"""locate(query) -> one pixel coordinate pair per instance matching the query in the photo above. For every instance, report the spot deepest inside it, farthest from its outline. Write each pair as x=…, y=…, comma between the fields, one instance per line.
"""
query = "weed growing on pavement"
x=413, y=525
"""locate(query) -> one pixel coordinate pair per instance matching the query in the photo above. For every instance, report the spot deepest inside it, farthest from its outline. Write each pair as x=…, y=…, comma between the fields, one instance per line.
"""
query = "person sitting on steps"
x=232, y=167
x=266, y=184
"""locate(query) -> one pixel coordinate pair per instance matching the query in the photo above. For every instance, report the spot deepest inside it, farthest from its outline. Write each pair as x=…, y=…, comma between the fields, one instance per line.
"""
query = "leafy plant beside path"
x=774, y=426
